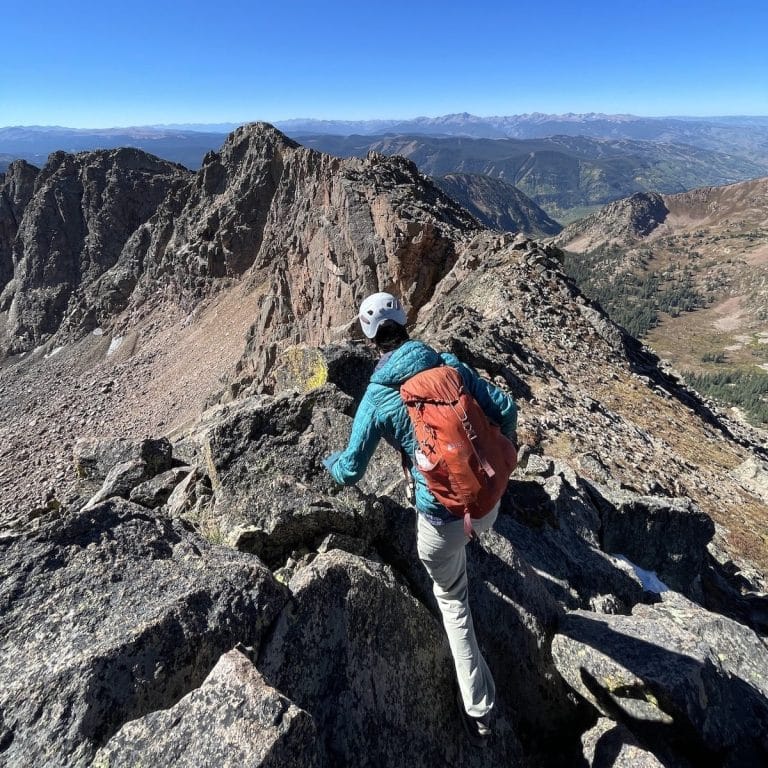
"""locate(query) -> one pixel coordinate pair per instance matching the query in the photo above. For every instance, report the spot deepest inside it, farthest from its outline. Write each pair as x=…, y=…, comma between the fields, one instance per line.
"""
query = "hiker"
x=441, y=535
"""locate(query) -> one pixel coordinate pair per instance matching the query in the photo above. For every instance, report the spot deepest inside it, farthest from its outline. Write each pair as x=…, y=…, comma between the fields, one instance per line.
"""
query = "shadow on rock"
x=726, y=594
x=553, y=524
x=666, y=535
x=515, y=618
x=690, y=685
x=372, y=667
x=611, y=745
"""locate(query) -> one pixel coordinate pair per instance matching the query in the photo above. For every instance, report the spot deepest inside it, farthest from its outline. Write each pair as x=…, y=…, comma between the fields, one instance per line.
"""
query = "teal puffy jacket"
x=382, y=414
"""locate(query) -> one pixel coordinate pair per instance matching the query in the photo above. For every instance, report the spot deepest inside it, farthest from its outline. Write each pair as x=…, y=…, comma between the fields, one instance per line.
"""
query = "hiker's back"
x=462, y=454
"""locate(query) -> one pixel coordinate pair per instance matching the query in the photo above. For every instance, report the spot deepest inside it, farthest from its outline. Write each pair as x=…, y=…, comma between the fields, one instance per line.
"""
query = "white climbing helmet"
x=378, y=307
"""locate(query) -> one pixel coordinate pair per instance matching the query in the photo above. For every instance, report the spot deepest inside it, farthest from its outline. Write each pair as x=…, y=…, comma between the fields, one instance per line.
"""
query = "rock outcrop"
x=693, y=683
x=371, y=664
x=95, y=458
x=272, y=494
x=83, y=210
x=233, y=720
x=331, y=231
x=110, y=614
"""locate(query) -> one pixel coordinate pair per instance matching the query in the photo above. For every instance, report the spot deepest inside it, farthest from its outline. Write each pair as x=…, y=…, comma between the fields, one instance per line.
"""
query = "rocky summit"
x=183, y=584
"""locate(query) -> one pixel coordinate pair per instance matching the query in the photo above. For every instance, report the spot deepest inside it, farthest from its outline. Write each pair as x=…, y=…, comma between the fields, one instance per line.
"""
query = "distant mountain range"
x=735, y=134
x=744, y=136
x=568, y=176
x=35, y=143
x=567, y=164
x=708, y=133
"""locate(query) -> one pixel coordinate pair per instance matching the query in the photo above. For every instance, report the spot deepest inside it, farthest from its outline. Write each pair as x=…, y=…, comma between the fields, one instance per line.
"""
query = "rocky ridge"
x=261, y=205
x=651, y=215
x=273, y=240
x=628, y=220
x=162, y=556
x=66, y=226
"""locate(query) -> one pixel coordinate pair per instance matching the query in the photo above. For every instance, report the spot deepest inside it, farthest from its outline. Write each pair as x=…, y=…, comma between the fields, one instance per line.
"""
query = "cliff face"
x=313, y=235
x=71, y=229
x=276, y=618
x=107, y=231
x=16, y=190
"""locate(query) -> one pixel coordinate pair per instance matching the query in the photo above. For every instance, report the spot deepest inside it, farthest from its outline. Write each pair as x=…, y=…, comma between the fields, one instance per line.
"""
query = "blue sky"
x=100, y=64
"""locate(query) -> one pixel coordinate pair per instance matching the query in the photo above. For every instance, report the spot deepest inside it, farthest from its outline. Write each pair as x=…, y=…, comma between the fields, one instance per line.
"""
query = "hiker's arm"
x=366, y=433
x=497, y=405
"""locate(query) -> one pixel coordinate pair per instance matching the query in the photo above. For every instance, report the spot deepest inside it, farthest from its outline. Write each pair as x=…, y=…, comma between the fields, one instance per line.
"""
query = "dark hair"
x=390, y=335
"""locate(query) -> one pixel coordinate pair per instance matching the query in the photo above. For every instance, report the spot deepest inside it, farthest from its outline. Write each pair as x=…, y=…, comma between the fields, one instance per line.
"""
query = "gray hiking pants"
x=441, y=549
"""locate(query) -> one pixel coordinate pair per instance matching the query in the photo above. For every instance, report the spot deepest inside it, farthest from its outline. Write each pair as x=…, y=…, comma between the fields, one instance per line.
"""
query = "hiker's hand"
x=329, y=461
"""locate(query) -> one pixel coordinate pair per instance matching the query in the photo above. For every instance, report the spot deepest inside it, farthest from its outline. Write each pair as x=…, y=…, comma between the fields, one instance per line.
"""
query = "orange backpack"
x=463, y=456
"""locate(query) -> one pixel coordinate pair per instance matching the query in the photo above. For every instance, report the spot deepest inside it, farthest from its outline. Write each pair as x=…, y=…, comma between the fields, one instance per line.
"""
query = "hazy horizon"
x=223, y=124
